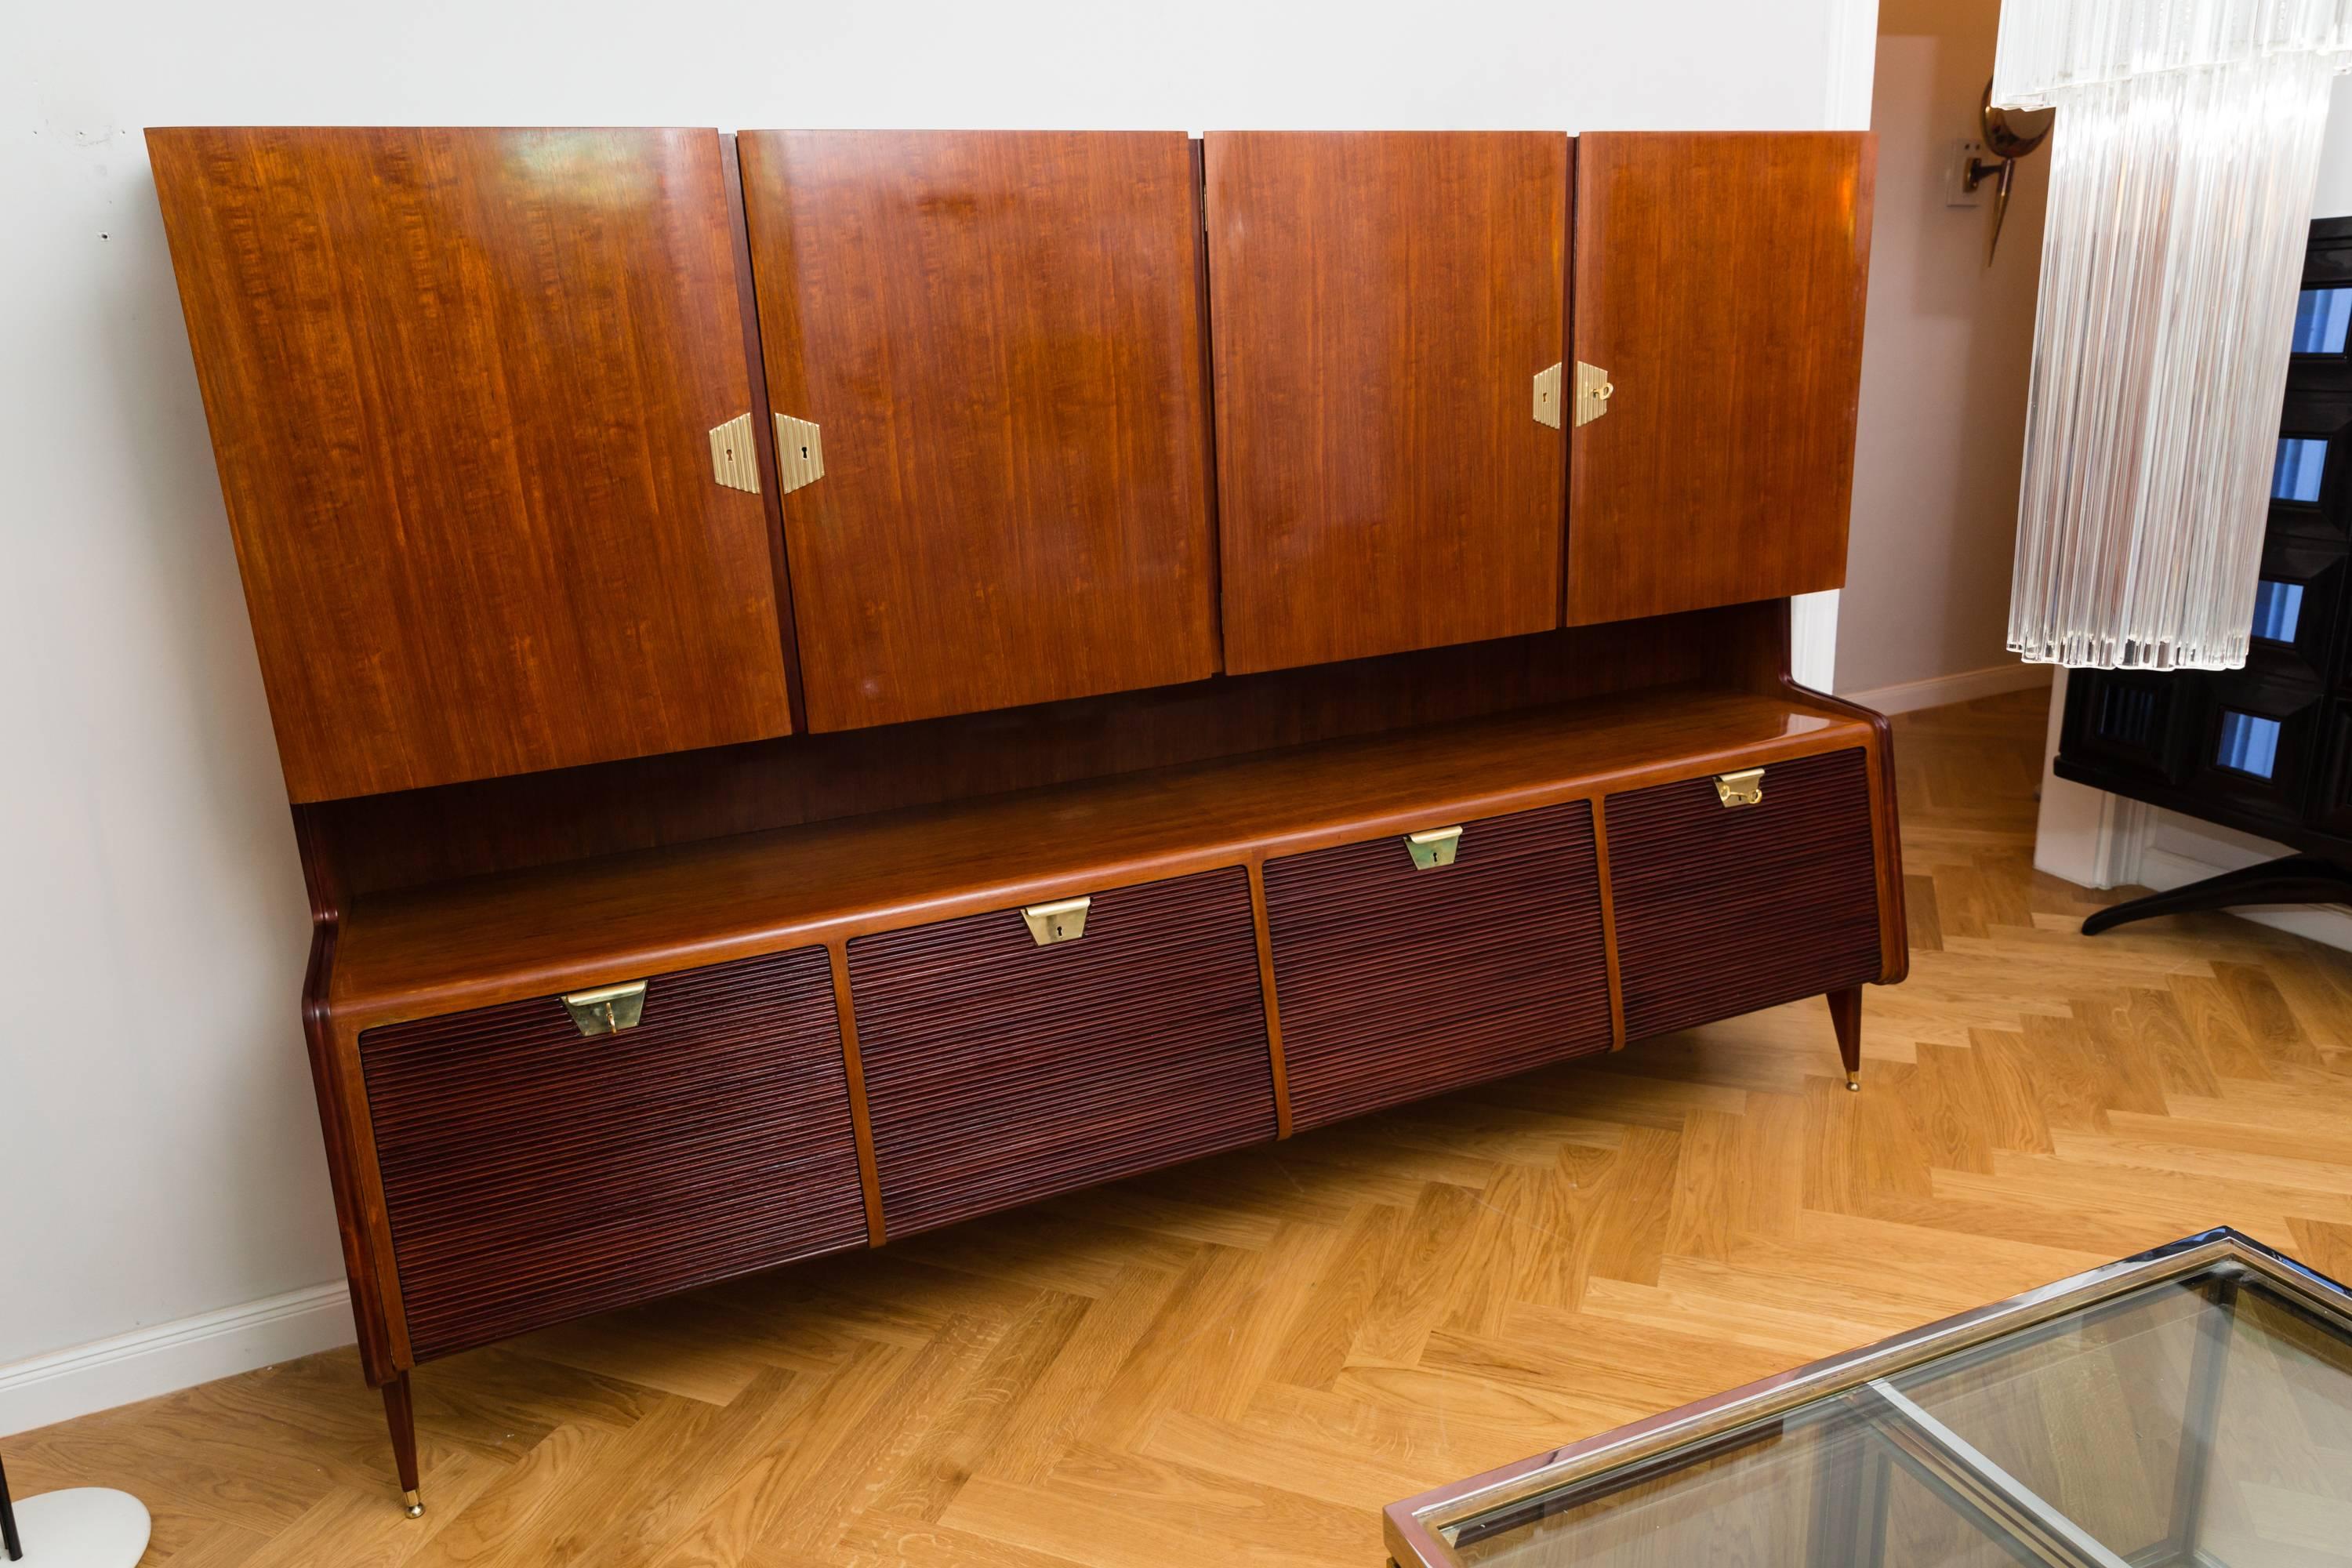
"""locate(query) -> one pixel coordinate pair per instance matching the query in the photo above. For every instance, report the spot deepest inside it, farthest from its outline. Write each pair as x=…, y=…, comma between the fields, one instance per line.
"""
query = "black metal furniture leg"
x=15, y=1547
x=2292, y=880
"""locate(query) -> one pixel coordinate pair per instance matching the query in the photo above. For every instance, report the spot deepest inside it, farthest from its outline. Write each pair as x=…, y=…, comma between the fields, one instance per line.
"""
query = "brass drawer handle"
x=608, y=1009
x=1434, y=846
x=1063, y=920
x=1743, y=788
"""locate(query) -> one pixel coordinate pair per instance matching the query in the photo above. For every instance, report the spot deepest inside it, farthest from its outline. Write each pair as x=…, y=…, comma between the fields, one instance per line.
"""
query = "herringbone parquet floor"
x=1242, y=1360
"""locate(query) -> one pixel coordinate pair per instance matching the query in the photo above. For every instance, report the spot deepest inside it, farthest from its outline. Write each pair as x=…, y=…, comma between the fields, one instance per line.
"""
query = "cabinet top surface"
x=557, y=927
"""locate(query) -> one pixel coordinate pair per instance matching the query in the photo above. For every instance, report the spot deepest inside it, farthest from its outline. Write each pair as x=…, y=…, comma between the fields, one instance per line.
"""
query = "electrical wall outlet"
x=1956, y=177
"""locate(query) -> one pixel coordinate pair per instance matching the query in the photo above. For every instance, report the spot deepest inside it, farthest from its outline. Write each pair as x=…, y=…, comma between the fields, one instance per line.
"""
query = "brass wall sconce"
x=2009, y=134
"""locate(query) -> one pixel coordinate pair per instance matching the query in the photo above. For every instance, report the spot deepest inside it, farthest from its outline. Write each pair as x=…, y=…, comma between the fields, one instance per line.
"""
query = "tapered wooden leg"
x=1845, y=1014
x=401, y=1415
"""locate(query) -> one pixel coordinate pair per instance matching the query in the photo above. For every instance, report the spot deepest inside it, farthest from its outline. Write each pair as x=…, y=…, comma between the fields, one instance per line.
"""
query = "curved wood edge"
x=346, y=1173
x=1894, y=928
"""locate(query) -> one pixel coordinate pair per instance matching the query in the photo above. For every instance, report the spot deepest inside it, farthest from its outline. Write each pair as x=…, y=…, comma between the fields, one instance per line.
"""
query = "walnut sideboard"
x=834, y=682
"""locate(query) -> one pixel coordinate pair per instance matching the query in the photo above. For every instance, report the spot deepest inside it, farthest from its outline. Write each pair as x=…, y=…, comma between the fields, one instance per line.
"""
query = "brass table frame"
x=1423, y=1531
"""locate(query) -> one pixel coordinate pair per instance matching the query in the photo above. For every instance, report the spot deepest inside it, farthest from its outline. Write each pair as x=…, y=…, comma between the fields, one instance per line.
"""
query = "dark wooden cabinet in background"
x=1381, y=303
x=461, y=386
x=998, y=336
x=2262, y=749
x=1168, y=546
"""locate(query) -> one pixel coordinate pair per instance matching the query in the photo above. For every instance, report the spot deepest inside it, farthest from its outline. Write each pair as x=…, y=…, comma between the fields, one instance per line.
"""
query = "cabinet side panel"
x=1719, y=284
x=998, y=335
x=1381, y=303
x=461, y=385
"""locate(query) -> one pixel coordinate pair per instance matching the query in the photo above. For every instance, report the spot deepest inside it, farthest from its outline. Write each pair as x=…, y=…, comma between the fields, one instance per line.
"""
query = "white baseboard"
x=144, y=1362
x=1966, y=687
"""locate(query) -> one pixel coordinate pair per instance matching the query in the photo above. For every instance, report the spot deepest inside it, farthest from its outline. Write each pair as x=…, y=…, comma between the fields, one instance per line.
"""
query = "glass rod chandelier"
x=2182, y=177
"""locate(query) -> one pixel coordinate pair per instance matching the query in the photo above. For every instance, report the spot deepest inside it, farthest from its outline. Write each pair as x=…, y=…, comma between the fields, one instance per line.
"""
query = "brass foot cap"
x=1854, y=1083
x=413, y=1503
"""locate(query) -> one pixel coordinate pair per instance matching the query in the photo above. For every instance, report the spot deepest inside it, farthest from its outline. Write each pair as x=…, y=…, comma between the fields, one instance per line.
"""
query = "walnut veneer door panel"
x=532, y=1174
x=1723, y=909
x=1719, y=282
x=461, y=385
x=1396, y=981
x=998, y=336
x=1381, y=305
x=998, y=1071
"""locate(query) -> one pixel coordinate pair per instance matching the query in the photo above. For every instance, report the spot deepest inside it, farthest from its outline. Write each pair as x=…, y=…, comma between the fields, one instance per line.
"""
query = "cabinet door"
x=1719, y=283
x=997, y=335
x=1722, y=909
x=1397, y=980
x=532, y=1174
x=1381, y=304
x=462, y=386
x=999, y=1071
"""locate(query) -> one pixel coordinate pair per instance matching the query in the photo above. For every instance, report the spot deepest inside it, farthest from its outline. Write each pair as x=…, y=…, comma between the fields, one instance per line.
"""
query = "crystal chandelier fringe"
x=2181, y=180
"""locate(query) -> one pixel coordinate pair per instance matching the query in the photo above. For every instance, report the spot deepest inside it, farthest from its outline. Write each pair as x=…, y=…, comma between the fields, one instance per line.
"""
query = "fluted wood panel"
x=1726, y=909
x=1396, y=983
x=531, y=1175
x=998, y=1071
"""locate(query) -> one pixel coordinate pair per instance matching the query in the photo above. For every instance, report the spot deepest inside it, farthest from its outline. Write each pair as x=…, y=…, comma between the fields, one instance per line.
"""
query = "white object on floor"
x=82, y=1527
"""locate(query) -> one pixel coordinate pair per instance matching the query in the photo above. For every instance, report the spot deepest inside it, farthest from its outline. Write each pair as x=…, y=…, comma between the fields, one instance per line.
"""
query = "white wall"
x=158, y=1151
x=1946, y=357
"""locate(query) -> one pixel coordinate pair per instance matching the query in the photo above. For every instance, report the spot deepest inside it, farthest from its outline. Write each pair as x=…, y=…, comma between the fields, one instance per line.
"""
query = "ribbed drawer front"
x=998, y=1071
x=1726, y=909
x=1396, y=983
x=533, y=1174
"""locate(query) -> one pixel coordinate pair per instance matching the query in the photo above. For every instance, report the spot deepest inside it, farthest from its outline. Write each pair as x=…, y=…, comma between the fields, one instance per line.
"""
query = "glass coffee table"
x=2189, y=1406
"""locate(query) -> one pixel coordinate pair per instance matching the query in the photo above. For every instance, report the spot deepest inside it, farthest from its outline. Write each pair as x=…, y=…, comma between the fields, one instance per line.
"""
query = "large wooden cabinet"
x=836, y=682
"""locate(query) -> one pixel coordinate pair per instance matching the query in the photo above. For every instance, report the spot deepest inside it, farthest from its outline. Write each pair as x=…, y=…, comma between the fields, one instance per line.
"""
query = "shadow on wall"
x=1946, y=356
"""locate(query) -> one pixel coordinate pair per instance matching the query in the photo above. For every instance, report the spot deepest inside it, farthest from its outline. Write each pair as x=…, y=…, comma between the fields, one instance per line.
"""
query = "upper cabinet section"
x=1719, y=284
x=462, y=387
x=997, y=338
x=1384, y=305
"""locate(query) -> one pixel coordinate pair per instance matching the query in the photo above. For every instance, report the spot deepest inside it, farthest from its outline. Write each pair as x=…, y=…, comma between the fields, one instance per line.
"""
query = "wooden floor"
x=1243, y=1360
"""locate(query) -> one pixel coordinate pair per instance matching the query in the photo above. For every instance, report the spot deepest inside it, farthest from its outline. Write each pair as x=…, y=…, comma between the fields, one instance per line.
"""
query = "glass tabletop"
x=2191, y=1405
